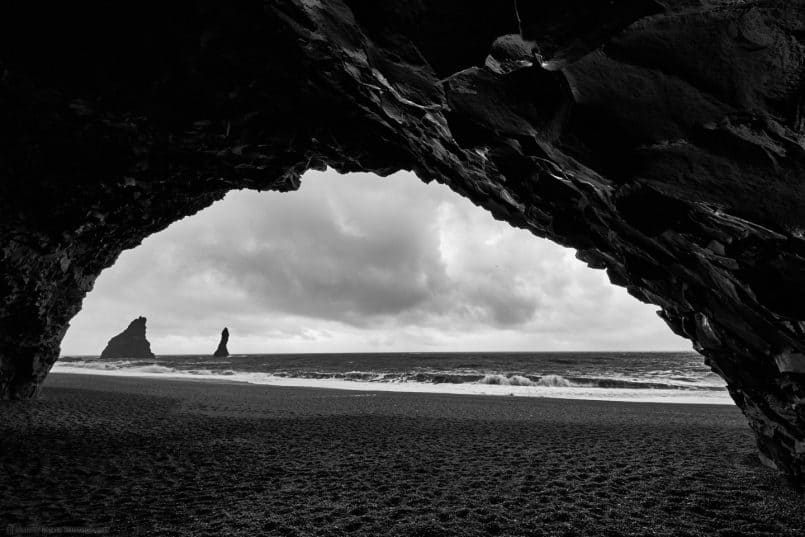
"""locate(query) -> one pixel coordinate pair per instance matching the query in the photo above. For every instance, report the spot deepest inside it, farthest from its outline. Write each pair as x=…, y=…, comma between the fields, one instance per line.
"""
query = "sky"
x=359, y=263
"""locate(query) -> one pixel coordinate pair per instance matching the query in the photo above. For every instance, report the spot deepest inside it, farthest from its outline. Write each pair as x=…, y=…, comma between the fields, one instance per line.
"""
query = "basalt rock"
x=664, y=140
x=130, y=343
x=222, y=351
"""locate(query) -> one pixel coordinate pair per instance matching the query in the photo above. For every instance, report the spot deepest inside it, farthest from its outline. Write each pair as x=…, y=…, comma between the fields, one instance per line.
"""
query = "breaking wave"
x=657, y=377
x=133, y=367
x=520, y=380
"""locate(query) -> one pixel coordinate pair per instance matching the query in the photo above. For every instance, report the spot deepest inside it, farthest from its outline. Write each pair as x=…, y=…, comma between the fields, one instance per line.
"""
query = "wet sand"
x=163, y=457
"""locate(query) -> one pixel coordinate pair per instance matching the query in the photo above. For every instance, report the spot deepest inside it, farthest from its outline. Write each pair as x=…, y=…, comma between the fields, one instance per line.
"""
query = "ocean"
x=617, y=376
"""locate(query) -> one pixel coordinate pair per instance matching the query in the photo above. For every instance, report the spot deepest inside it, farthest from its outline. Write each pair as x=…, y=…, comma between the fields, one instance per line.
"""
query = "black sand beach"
x=161, y=457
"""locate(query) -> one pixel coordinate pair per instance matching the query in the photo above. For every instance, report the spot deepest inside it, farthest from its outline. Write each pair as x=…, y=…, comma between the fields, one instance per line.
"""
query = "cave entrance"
x=361, y=264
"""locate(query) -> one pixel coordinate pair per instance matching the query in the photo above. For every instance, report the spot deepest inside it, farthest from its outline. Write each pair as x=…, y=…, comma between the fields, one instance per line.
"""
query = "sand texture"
x=162, y=457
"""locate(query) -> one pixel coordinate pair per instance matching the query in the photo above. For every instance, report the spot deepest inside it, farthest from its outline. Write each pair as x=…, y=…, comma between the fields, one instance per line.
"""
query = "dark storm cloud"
x=358, y=262
x=323, y=255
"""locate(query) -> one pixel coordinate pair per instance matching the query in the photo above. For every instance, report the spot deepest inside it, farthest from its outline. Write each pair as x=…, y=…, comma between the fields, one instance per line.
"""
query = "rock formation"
x=664, y=140
x=130, y=343
x=222, y=351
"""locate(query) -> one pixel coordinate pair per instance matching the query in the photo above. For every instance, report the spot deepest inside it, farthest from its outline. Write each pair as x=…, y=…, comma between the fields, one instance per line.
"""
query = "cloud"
x=360, y=263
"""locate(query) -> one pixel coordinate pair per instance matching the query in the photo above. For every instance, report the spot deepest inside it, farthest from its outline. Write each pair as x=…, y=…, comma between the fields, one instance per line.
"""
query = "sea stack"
x=130, y=343
x=221, y=351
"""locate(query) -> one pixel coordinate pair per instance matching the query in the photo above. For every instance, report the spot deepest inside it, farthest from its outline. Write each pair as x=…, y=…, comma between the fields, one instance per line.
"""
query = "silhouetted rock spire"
x=130, y=343
x=221, y=351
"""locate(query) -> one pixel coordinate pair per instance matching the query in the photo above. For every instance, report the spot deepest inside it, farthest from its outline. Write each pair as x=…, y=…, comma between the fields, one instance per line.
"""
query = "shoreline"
x=674, y=396
x=173, y=457
x=85, y=380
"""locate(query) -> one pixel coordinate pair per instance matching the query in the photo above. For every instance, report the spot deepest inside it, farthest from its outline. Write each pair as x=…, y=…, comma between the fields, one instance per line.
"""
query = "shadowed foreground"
x=164, y=457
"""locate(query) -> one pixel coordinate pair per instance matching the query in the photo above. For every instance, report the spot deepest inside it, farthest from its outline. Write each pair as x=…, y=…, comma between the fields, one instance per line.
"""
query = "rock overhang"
x=665, y=141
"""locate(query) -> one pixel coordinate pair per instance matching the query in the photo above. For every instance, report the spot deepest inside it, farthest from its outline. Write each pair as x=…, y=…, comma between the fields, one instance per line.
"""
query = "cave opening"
x=356, y=263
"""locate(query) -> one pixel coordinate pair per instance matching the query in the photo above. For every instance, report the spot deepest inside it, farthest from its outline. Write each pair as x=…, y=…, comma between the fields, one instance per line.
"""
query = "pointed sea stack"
x=130, y=343
x=221, y=351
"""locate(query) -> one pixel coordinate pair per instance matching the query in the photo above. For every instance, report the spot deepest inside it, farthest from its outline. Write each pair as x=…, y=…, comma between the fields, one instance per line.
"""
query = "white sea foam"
x=154, y=369
x=519, y=380
x=555, y=381
x=553, y=386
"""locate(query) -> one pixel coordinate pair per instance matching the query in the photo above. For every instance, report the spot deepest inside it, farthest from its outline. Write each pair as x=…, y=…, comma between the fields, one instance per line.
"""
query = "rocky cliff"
x=222, y=351
x=130, y=343
x=664, y=140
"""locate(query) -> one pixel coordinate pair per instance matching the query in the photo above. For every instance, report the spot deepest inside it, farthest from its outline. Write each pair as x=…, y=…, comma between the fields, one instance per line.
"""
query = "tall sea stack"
x=130, y=343
x=221, y=351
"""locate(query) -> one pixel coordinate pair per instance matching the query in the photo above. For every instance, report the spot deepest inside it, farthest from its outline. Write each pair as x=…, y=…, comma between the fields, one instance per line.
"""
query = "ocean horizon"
x=672, y=377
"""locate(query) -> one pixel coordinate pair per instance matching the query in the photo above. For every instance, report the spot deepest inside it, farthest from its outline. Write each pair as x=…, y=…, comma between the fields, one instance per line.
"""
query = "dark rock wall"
x=665, y=141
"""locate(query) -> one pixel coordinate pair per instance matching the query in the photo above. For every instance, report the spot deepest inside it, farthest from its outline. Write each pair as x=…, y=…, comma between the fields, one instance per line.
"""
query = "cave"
x=664, y=140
